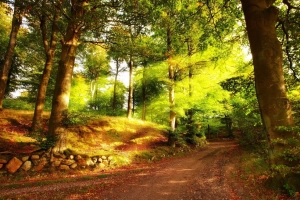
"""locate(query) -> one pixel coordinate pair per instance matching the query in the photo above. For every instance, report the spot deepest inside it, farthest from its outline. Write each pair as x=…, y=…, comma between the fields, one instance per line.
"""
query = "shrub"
x=18, y=104
x=44, y=141
x=76, y=118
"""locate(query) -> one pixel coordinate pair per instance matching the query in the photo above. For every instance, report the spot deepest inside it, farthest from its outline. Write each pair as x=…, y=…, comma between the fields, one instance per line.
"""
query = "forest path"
x=209, y=173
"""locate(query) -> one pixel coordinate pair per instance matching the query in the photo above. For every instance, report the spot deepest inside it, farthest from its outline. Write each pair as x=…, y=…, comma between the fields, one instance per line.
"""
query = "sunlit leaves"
x=289, y=33
x=95, y=62
x=79, y=94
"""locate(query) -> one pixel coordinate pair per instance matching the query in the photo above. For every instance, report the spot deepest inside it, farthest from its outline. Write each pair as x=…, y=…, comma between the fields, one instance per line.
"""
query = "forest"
x=201, y=68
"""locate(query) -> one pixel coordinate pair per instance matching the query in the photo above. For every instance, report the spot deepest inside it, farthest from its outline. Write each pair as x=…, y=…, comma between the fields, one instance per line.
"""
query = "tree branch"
x=289, y=5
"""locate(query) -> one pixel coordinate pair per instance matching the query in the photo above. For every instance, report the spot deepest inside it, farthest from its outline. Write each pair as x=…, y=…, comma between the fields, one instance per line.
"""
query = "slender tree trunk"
x=114, y=100
x=60, y=101
x=50, y=54
x=15, y=26
x=93, y=88
x=144, y=94
x=130, y=90
x=172, y=120
x=261, y=17
x=190, y=112
x=190, y=53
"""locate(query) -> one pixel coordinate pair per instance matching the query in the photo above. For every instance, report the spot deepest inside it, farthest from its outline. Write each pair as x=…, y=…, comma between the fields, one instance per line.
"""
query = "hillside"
x=127, y=140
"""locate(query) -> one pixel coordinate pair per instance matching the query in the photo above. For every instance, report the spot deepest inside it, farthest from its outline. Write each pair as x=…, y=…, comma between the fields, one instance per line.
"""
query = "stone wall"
x=44, y=160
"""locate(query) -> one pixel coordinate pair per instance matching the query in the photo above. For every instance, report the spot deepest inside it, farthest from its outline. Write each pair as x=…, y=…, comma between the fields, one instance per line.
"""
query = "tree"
x=95, y=64
x=5, y=28
x=83, y=17
x=245, y=109
x=149, y=84
x=122, y=40
x=79, y=93
x=116, y=72
x=70, y=43
x=15, y=70
x=261, y=18
x=49, y=47
x=288, y=31
x=166, y=20
x=134, y=20
x=16, y=23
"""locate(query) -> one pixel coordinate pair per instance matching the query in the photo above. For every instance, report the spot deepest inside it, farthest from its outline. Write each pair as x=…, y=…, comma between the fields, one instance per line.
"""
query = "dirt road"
x=207, y=174
x=203, y=175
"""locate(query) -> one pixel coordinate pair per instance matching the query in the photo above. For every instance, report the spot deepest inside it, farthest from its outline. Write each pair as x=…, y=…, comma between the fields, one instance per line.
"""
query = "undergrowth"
x=282, y=178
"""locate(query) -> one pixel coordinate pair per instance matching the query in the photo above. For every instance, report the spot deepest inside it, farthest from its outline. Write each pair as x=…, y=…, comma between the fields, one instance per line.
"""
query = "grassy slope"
x=125, y=139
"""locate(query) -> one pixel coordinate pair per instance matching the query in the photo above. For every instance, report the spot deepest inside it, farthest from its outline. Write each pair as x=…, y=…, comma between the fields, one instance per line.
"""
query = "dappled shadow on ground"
x=143, y=140
x=8, y=146
x=14, y=132
x=131, y=146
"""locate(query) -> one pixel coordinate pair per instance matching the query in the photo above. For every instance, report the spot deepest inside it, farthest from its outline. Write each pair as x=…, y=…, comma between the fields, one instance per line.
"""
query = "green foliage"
x=76, y=118
x=195, y=140
x=209, y=126
x=238, y=84
x=102, y=102
x=20, y=103
x=290, y=151
x=289, y=190
x=176, y=137
x=95, y=62
x=31, y=58
x=294, y=97
x=289, y=34
x=44, y=141
x=113, y=133
x=245, y=111
x=79, y=94
x=153, y=84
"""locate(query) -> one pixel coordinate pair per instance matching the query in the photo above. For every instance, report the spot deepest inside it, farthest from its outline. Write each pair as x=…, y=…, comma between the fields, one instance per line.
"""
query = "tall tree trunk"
x=50, y=53
x=190, y=112
x=114, y=100
x=190, y=53
x=261, y=17
x=93, y=88
x=144, y=94
x=172, y=120
x=60, y=101
x=15, y=26
x=130, y=89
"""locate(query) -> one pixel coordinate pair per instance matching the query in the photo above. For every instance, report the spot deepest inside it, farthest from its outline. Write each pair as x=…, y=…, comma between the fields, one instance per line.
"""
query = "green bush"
x=44, y=141
x=76, y=118
x=18, y=104
x=175, y=137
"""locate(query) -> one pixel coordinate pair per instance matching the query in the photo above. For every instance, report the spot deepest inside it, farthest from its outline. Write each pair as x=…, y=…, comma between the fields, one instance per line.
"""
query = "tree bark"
x=50, y=53
x=190, y=53
x=144, y=94
x=130, y=89
x=114, y=100
x=60, y=101
x=93, y=88
x=261, y=17
x=15, y=26
x=172, y=120
x=190, y=112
